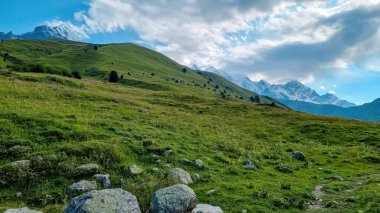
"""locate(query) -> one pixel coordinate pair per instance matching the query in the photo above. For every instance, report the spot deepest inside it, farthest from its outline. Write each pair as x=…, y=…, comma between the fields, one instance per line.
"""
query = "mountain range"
x=39, y=33
x=293, y=91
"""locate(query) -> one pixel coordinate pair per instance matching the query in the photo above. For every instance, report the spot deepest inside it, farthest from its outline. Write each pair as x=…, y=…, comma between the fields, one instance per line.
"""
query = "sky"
x=333, y=46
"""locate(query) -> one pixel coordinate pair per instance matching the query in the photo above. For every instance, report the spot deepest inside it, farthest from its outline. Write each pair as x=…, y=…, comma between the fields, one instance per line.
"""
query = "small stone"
x=174, y=199
x=104, y=201
x=179, y=175
x=205, y=208
x=168, y=152
x=298, y=155
x=186, y=161
x=81, y=187
x=244, y=211
x=21, y=164
x=104, y=180
x=337, y=177
x=21, y=210
x=87, y=169
x=19, y=149
x=212, y=191
x=18, y=194
x=196, y=177
x=199, y=164
x=249, y=165
x=155, y=169
x=134, y=170
x=167, y=165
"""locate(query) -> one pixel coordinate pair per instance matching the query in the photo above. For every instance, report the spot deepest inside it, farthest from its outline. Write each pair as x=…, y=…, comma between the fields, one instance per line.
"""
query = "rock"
x=21, y=210
x=212, y=191
x=337, y=177
x=21, y=164
x=179, y=176
x=167, y=165
x=298, y=155
x=155, y=169
x=205, y=208
x=196, y=178
x=104, y=201
x=174, y=199
x=249, y=165
x=134, y=170
x=244, y=211
x=168, y=152
x=104, y=180
x=19, y=149
x=81, y=187
x=199, y=164
x=87, y=169
x=186, y=161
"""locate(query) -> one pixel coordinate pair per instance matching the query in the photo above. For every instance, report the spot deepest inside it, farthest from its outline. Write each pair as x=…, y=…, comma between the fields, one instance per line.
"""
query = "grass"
x=66, y=122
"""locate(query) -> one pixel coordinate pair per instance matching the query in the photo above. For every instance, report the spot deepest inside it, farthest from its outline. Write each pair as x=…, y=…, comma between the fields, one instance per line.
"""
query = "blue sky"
x=331, y=46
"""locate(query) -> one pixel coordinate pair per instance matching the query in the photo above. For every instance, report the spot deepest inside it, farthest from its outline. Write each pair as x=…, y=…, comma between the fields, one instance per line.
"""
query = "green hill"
x=59, y=122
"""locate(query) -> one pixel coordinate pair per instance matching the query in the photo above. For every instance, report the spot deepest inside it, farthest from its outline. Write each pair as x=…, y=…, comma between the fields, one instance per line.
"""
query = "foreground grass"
x=68, y=122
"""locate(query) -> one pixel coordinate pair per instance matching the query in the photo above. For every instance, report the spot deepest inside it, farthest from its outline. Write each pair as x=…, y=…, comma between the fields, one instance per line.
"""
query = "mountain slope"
x=40, y=33
x=59, y=122
x=293, y=90
x=369, y=111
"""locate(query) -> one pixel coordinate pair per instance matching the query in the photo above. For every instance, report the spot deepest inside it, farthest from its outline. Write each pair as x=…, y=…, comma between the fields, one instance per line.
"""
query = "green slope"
x=63, y=122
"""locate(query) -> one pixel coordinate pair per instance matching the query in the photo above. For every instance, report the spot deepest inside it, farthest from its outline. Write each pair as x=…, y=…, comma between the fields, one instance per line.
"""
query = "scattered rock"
x=87, y=169
x=179, y=176
x=104, y=201
x=337, y=177
x=167, y=165
x=186, y=161
x=21, y=210
x=205, y=208
x=168, y=152
x=196, y=178
x=155, y=169
x=134, y=170
x=174, y=199
x=104, y=180
x=81, y=187
x=18, y=194
x=21, y=164
x=244, y=211
x=298, y=155
x=212, y=191
x=249, y=165
x=19, y=149
x=199, y=164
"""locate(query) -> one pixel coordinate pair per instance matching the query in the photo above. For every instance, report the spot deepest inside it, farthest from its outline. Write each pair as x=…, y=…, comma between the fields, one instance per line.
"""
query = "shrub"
x=184, y=70
x=113, y=77
x=76, y=75
x=284, y=168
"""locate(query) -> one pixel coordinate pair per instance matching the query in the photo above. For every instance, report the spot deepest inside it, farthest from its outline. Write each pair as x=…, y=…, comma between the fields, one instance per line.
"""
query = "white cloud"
x=332, y=92
x=322, y=87
x=77, y=33
x=271, y=39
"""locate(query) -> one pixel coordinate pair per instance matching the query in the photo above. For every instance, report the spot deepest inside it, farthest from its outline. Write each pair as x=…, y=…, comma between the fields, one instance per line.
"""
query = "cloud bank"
x=272, y=39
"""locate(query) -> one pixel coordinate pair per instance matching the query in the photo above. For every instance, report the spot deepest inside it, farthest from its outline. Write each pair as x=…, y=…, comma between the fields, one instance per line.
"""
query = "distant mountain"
x=293, y=90
x=369, y=111
x=39, y=33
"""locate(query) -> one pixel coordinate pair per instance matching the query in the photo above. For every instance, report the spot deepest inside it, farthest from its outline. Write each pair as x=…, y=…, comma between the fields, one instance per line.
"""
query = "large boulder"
x=81, y=187
x=104, y=201
x=298, y=155
x=179, y=176
x=87, y=169
x=205, y=208
x=21, y=210
x=134, y=170
x=21, y=164
x=174, y=199
x=104, y=180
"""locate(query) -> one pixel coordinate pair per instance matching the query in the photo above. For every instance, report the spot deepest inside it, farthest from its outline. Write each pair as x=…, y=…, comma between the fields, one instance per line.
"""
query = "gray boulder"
x=205, y=208
x=179, y=176
x=134, y=170
x=21, y=164
x=199, y=164
x=104, y=180
x=104, y=201
x=249, y=165
x=21, y=210
x=174, y=199
x=81, y=187
x=298, y=155
x=186, y=161
x=87, y=169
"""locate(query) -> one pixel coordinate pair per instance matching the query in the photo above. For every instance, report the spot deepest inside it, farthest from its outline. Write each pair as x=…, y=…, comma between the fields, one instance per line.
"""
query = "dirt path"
x=318, y=202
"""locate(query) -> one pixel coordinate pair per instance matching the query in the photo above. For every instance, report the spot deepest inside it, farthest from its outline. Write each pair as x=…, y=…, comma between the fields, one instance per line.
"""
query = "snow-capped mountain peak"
x=40, y=33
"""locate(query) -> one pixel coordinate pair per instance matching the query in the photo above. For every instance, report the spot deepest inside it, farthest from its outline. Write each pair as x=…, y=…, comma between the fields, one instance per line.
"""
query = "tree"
x=122, y=77
x=6, y=56
x=257, y=99
x=184, y=70
x=113, y=77
x=76, y=75
x=252, y=99
x=95, y=47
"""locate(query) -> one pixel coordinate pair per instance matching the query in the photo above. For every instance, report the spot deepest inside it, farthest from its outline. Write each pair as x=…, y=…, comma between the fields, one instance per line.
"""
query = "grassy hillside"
x=61, y=122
